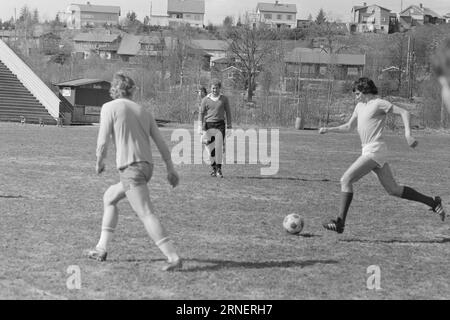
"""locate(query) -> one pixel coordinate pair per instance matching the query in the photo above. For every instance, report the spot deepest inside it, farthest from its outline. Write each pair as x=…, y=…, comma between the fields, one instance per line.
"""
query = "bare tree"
x=250, y=46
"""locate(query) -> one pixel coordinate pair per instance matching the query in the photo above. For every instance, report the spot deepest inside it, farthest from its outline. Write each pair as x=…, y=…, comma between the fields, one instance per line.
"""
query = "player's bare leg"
x=387, y=180
x=111, y=198
x=357, y=170
x=139, y=199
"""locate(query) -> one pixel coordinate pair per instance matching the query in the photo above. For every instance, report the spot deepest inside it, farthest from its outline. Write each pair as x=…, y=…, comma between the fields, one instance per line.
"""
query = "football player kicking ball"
x=131, y=126
x=442, y=70
x=370, y=117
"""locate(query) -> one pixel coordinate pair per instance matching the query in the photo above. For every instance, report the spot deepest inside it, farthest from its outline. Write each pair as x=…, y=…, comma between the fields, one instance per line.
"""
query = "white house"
x=80, y=15
x=188, y=12
x=277, y=14
x=447, y=18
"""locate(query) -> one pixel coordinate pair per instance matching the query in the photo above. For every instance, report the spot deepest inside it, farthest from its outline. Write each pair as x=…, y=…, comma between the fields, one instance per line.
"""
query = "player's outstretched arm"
x=172, y=175
x=406, y=118
x=345, y=128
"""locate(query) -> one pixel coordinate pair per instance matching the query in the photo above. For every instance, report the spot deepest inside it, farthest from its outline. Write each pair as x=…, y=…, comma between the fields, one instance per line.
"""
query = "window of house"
x=187, y=16
x=230, y=75
x=289, y=17
x=307, y=69
x=267, y=16
x=323, y=70
x=351, y=71
x=279, y=16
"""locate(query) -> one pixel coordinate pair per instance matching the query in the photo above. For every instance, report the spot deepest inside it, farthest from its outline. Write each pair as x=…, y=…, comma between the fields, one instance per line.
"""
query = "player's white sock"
x=167, y=248
x=105, y=238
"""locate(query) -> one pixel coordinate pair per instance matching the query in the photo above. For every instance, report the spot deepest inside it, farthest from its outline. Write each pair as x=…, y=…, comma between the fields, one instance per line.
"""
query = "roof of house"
x=95, y=37
x=188, y=6
x=423, y=10
x=276, y=7
x=98, y=8
x=357, y=8
x=211, y=45
x=306, y=55
x=131, y=44
x=231, y=68
x=78, y=82
x=447, y=15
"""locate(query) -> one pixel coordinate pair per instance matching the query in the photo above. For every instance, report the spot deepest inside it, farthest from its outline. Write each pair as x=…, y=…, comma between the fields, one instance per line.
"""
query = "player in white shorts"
x=370, y=117
x=130, y=126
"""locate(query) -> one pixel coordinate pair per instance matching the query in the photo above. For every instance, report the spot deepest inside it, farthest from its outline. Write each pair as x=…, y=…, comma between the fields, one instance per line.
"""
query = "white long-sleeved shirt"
x=130, y=126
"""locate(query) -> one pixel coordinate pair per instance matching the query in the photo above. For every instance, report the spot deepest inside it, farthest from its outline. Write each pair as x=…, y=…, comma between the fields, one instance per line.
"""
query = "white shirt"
x=371, y=119
x=129, y=125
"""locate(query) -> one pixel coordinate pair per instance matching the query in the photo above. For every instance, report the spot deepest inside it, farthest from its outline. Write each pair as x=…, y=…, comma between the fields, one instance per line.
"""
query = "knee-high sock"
x=167, y=248
x=105, y=238
x=413, y=195
x=347, y=198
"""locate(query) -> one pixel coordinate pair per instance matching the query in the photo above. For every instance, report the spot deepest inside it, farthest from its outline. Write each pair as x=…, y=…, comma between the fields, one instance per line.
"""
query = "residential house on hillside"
x=187, y=12
x=315, y=64
x=419, y=15
x=216, y=48
x=82, y=15
x=277, y=14
x=88, y=43
x=133, y=45
x=447, y=18
x=373, y=18
x=304, y=24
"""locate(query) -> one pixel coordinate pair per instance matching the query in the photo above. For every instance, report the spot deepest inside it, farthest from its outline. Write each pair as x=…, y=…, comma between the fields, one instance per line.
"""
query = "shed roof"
x=78, y=82
x=306, y=55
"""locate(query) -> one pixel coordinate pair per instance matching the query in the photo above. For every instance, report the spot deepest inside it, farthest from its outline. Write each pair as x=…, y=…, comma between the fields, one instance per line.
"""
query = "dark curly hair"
x=365, y=85
x=441, y=59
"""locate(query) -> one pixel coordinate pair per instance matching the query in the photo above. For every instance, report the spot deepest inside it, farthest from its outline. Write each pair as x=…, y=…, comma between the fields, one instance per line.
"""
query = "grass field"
x=229, y=231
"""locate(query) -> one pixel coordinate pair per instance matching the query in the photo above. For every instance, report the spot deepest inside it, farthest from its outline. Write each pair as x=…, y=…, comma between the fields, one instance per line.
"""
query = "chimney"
x=421, y=6
x=365, y=4
x=276, y=2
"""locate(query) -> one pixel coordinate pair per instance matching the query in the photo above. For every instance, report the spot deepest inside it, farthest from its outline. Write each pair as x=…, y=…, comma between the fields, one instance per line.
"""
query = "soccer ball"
x=293, y=223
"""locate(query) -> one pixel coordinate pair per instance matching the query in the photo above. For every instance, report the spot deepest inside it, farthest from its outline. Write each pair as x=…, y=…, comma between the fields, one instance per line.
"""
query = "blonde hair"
x=122, y=86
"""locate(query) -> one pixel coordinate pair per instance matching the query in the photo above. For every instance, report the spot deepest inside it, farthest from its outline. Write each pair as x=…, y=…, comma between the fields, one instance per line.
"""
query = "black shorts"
x=216, y=125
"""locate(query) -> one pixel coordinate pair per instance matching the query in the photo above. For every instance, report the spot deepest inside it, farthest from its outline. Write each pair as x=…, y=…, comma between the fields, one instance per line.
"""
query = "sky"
x=217, y=10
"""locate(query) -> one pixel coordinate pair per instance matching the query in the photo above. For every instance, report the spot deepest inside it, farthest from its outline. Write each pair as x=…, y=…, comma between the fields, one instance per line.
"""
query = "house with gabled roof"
x=373, y=18
x=92, y=42
x=277, y=14
x=447, y=17
x=140, y=45
x=186, y=12
x=418, y=15
x=82, y=15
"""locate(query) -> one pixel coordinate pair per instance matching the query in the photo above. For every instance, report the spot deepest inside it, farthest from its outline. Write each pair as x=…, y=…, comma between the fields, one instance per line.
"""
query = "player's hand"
x=173, y=178
x=412, y=142
x=323, y=130
x=100, y=167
